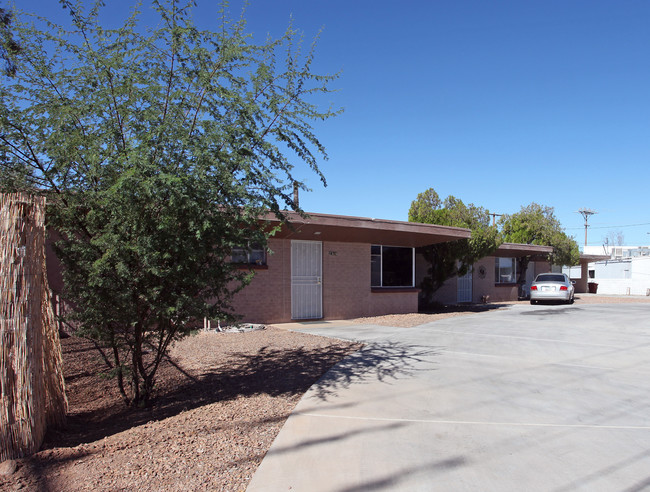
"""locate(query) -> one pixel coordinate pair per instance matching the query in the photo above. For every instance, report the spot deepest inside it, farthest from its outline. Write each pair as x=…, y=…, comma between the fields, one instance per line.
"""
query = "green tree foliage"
x=454, y=258
x=159, y=150
x=537, y=224
x=8, y=45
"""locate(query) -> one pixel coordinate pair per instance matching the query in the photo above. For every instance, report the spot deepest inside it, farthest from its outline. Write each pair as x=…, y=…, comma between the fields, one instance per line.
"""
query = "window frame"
x=248, y=252
x=497, y=271
x=380, y=255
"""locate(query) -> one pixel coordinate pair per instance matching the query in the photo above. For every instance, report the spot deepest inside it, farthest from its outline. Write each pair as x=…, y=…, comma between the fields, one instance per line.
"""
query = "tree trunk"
x=522, y=264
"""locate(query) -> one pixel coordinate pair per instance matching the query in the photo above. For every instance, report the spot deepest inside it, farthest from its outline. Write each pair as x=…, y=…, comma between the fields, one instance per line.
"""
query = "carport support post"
x=584, y=278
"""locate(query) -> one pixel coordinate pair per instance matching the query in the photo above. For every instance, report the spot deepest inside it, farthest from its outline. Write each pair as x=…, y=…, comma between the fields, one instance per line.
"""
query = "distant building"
x=624, y=271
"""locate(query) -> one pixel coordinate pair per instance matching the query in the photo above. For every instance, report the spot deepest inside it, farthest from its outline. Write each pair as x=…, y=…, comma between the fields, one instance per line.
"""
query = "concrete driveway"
x=552, y=398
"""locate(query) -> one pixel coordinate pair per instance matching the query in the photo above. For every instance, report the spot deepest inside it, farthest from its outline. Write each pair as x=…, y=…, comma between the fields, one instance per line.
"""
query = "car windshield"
x=550, y=278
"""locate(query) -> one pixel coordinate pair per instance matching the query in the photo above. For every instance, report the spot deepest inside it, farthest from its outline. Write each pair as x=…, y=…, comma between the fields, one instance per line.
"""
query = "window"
x=392, y=266
x=505, y=270
x=551, y=277
x=252, y=255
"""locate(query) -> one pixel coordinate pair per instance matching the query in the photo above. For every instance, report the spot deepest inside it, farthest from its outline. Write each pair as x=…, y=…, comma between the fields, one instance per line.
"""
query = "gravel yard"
x=223, y=397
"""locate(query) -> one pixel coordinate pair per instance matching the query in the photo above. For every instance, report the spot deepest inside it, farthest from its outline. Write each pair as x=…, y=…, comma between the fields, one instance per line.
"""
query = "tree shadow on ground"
x=382, y=361
x=277, y=372
x=394, y=481
x=463, y=308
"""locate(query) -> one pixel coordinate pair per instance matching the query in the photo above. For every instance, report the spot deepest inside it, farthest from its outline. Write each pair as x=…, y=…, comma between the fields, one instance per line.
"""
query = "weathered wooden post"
x=31, y=370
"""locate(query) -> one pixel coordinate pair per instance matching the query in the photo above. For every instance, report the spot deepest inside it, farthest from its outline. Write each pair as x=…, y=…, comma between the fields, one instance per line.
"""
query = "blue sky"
x=498, y=103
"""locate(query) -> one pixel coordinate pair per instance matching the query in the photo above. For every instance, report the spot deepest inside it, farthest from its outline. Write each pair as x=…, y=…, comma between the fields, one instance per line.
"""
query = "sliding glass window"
x=392, y=266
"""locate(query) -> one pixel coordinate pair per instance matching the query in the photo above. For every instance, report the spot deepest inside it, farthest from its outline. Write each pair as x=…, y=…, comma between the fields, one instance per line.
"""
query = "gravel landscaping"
x=222, y=399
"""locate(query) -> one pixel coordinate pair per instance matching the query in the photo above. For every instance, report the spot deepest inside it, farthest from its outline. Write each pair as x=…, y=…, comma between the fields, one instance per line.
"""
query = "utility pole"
x=494, y=218
x=586, y=213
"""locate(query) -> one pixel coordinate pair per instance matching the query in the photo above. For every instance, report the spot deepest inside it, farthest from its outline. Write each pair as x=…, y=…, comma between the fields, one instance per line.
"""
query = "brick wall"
x=542, y=267
x=393, y=302
x=448, y=293
x=346, y=286
x=267, y=299
x=483, y=286
x=346, y=280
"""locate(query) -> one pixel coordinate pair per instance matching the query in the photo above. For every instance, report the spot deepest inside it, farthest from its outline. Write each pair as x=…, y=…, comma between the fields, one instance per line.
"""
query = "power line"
x=610, y=227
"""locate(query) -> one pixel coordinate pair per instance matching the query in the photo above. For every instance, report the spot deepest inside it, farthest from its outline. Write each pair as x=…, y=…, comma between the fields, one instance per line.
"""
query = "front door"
x=306, y=280
x=465, y=287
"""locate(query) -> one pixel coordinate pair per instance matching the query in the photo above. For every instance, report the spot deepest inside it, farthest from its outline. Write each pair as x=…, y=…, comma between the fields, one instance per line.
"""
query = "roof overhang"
x=323, y=227
x=584, y=259
x=516, y=250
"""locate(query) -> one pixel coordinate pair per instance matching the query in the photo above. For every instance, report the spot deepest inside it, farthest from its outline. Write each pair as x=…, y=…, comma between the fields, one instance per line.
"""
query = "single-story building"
x=322, y=266
x=336, y=267
x=493, y=277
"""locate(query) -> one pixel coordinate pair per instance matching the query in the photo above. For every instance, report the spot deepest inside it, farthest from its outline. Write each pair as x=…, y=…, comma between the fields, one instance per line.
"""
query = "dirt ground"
x=222, y=399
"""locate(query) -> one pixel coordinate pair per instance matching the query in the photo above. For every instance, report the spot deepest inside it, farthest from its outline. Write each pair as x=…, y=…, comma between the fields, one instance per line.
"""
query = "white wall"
x=574, y=272
x=611, y=269
x=623, y=287
x=623, y=278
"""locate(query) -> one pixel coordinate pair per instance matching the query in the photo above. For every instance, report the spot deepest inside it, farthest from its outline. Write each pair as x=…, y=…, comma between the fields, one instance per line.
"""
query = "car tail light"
x=564, y=287
x=534, y=287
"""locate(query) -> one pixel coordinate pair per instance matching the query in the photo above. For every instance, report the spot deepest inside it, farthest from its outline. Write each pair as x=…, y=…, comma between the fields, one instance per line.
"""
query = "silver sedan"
x=552, y=287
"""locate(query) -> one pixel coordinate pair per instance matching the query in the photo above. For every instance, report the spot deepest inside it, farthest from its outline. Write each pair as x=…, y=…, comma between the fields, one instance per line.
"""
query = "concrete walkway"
x=527, y=398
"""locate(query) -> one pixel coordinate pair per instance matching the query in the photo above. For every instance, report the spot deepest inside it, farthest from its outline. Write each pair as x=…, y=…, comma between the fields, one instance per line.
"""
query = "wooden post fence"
x=31, y=367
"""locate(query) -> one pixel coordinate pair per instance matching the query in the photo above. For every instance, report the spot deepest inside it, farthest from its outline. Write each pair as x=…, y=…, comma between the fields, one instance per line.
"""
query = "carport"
x=582, y=283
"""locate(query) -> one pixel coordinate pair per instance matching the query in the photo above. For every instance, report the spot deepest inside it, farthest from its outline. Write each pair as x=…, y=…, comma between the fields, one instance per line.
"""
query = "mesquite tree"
x=8, y=45
x=537, y=224
x=453, y=258
x=159, y=150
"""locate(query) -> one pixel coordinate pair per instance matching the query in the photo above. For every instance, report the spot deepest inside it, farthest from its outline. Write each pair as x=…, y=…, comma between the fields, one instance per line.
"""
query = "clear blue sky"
x=498, y=103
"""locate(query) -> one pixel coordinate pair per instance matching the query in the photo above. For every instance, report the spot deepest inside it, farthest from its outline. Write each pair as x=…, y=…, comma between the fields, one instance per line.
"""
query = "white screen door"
x=306, y=280
x=465, y=287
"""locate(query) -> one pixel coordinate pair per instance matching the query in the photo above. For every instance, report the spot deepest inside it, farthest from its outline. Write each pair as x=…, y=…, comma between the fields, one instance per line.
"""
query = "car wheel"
x=572, y=300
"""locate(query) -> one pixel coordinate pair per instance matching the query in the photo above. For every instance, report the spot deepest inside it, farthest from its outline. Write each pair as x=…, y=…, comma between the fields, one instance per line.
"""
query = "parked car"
x=552, y=287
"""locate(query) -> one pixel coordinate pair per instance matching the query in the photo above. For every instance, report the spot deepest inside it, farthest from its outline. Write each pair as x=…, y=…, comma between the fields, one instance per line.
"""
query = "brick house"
x=494, y=277
x=336, y=267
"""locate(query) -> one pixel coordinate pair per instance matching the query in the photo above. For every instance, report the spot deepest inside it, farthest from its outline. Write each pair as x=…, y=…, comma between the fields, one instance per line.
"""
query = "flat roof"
x=593, y=258
x=325, y=227
x=509, y=250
